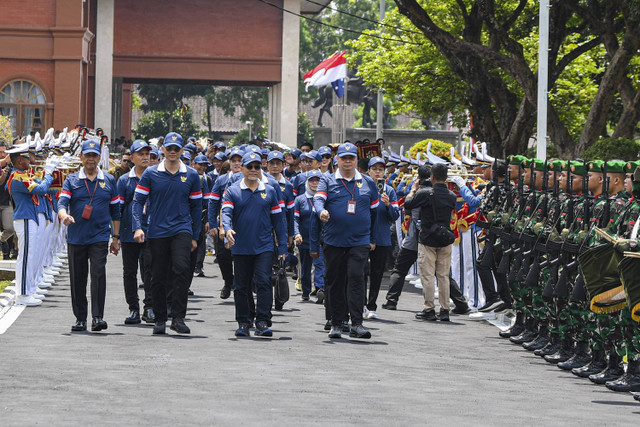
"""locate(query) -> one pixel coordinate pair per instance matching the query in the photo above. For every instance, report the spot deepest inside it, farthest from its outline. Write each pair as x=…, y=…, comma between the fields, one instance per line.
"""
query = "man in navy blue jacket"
x=131, y=250
x=347, y=202
x=175, y=210
x=90, y=206
x=251, y=212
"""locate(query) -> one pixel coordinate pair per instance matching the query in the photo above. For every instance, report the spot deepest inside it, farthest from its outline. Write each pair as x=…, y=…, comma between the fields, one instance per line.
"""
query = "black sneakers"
x=262, y=330
x=179, y=326
x=359, y=331
x=425, y=314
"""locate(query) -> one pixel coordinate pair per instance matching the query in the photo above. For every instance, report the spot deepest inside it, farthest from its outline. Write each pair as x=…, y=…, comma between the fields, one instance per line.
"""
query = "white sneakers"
x=44, y=285
x=482, y=316
x=37, y=296
x=368, y=314
x=27, y=300
x=42, y=291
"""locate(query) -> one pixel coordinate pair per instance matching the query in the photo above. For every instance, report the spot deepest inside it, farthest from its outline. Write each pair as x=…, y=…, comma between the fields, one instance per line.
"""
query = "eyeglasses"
x=251, y=167
x=153, y=156
x=126, y=161
x=326, y=156
x=173, y=148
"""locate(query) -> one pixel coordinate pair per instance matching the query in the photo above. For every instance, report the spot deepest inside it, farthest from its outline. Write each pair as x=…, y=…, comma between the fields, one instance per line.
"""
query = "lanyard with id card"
x=88, y=209
x=351, y=204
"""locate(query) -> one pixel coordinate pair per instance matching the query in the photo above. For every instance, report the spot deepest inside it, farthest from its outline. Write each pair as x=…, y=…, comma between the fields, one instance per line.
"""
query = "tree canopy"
x=481, y=56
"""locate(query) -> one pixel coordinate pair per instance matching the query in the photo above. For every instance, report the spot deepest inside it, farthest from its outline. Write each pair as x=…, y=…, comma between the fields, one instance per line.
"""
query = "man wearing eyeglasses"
x=175, y=209
x=124, y=167
x=251, y=212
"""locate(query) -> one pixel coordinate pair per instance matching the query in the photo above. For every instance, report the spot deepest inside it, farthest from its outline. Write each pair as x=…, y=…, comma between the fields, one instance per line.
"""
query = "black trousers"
x=202, y=249
x=225, y=262
x=487, y=270
x=404, y=261
x=377, y=266
x=87, y=260
x=170, y=273
x=345, y=278
x=134, y=255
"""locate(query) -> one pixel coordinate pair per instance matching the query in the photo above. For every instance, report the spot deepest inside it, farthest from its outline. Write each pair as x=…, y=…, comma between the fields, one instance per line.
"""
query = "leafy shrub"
x=613, y=148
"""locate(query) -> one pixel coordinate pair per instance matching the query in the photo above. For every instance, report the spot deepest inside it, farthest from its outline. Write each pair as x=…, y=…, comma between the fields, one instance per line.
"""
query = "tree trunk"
x=626, y=127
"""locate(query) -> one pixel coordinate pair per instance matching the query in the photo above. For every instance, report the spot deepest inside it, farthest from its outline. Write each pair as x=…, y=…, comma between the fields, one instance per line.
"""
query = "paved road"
x=409, y=373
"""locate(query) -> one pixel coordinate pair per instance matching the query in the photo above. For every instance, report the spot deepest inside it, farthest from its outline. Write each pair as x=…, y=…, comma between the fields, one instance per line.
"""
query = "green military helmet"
x=516, y=159
x=576, y=167
x=595, y=166
x=616, y=166
x=631, y=166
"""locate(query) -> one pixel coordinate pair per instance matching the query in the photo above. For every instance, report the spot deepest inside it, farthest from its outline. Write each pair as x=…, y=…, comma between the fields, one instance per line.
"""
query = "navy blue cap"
x=314, y=173
x=236, y=151
x=265, y=151
x=376, y=160
x=190, y=147
x=191, y=138
x=324, y=150
x=186, y=155
x=251, y=157
x=219, y=145
x=347, y=149
x=139, y=144
x=201, y=158
x=154, y=150
x=295, y=153
x=173, y=138
x=253, y=148
x=313, y=154
x=220, y=156
x=275, y=154
x=91, y=146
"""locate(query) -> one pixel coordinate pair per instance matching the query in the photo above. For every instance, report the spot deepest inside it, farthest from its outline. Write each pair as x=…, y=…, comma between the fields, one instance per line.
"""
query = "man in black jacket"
x=434, y=254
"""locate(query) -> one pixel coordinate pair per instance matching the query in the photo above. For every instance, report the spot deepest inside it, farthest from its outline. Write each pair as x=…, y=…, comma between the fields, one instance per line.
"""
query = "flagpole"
x=380, y=104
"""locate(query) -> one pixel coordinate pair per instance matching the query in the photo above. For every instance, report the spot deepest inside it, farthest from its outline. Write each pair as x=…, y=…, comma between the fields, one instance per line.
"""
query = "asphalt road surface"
x=408, y=373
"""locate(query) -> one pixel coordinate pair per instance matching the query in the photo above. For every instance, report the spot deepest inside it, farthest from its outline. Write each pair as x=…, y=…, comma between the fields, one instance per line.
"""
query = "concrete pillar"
x=104, y=67
x=286, y=130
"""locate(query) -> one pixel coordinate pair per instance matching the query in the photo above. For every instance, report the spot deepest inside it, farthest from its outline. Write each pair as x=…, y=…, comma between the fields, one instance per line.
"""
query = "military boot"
x=552, y=346
x=612, y=372
x=529, y=334
x=579, y=359
x=563, y=354
x=630, y=381
x=598, y=364
x=516, y=329
x=541, y=340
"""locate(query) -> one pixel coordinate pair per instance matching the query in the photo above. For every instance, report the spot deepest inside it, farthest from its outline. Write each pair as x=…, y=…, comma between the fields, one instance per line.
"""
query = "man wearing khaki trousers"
x=436, y=205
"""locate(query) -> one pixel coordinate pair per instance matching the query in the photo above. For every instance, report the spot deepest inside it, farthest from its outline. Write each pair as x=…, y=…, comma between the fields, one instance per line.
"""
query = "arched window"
x=24, y=103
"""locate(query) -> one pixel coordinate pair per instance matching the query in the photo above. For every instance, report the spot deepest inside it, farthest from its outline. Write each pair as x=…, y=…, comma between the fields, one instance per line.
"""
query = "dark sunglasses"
x=326, y=156
x=251, y=167
x=126, y=161
x=172, y=148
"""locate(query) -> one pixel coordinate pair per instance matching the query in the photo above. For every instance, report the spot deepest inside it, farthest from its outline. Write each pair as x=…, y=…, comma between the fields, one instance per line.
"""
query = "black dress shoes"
x=444, y=315
x=390, y=305
x=225, y=293
x=98, y=324
x=320, y=296
x=198, y=272
x=461, y=309
x=160, y=328
x=190, y=292
x=133, y=318
x=425, y=314
x=79, y=326
x=179, y=326
x=148, y=315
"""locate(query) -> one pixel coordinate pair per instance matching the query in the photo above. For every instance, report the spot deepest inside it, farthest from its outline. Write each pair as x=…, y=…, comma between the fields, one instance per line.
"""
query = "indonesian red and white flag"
x=328, y=71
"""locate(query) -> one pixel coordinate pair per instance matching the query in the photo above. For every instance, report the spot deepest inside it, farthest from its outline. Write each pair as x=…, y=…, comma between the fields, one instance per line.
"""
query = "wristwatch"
x=116, y=236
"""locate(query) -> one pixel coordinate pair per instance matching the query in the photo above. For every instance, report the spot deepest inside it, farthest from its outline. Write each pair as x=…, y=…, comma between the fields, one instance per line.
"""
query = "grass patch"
x=4, y=284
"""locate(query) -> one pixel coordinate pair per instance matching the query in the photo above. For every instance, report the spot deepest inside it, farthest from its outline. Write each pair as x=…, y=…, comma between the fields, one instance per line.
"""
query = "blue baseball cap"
x=191, y=138
x=139, y=144
x=324, y=150
x=220, y=156
x=251, y=157
x=347, y=149
x=91, y=146
x=265, y=151
x=201, y=158
x=314, y=173
x=275, y=155
x=313, y=154
x=219, y=145
x=376, y=160
x=295, y=153
x=173, y=138
x=190, y=147
x=186, y=155
x=236, y=151
x=253, y=149
x=154, y=150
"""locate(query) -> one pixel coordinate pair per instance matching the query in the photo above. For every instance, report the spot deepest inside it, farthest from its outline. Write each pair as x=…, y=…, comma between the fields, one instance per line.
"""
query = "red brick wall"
x=41, y=70
x=28, y=12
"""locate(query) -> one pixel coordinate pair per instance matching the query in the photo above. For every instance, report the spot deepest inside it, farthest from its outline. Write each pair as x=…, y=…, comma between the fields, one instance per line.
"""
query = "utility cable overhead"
x=337, y=27
x=365, y=19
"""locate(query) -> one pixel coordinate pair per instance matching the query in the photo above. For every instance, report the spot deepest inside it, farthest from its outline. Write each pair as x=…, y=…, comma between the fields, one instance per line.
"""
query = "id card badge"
x=351, y=207
x=86, y=212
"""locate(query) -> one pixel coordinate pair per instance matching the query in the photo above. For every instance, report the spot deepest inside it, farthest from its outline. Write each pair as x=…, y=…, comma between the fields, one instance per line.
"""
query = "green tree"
x=168, y=98
x=246, y=103
x=304, y=128
x=156, y=123
x=481, y=55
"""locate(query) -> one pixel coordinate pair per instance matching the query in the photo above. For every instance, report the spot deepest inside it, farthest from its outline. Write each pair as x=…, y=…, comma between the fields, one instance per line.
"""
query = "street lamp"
x=248, y=123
